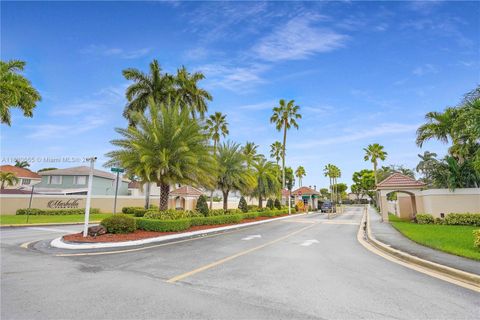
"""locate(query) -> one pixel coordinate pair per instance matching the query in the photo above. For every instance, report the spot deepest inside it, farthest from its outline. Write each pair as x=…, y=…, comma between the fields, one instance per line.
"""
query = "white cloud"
x=233, y=78
x=379, y=130
x=102, y=50
x=298, y=39
x=424, y=69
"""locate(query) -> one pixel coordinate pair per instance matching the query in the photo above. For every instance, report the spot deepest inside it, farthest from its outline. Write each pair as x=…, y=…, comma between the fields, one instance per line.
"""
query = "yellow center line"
x=242, y=253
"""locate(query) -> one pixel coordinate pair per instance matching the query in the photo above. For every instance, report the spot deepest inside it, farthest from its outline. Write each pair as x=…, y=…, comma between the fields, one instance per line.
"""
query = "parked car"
x=326, y=206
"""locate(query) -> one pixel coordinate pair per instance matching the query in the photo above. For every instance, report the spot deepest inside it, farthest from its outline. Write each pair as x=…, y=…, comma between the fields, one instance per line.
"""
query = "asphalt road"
x=299, y=268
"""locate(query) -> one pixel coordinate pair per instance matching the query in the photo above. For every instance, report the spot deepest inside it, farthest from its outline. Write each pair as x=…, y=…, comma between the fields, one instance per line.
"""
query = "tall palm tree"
x=8, y=178
x=266, y=180
x=249, y=151
x=232, y=171
x=375, y=152
x=284, y=117
x=155, y=85
x=336, y=173
x=22, y=164
x=188, y=92
x=276, y=151
x=166, y=146
x=300, y=173
x=329, y=171
x=216, y=126
x=16, y=91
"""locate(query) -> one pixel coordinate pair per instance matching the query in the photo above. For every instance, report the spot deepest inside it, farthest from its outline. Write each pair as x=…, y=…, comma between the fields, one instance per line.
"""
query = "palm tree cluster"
x=8, y=179
x=161, y=87
x=459, y=126
x=16, y=91
x=300, y=173
x=333, y=173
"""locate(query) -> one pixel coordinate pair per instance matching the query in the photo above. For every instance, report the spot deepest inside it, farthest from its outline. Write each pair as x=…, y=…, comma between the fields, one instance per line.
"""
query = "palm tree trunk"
x=164, y=192
x=3, y=185
x=147, y=195
x=283, y=156
x=375, y=172
x=225, y=200
x=260, y=202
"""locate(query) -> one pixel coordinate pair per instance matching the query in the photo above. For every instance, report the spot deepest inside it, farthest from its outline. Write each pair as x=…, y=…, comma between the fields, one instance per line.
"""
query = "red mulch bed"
x=142, y=234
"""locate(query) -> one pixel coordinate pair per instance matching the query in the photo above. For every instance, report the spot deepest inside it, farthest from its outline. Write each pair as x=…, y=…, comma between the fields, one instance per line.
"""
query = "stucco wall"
x=100, y=186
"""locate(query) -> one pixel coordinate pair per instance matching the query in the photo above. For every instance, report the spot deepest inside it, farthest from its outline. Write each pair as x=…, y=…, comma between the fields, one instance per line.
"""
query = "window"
x=80, y=180
x=26, y=181
x=54, y=179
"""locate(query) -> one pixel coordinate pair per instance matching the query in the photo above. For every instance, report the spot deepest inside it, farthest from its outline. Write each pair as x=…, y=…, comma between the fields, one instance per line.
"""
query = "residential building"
x=26, y=178
x=75, y=181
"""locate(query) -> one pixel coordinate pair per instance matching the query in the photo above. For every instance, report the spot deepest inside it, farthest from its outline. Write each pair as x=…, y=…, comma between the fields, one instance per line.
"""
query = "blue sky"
x=362, y=72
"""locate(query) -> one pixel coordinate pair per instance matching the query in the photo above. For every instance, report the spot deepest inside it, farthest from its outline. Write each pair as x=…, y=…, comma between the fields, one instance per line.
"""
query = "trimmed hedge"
x=476, y=238
x=54, y=212
x=119, y=223
x=425, y=218
x=273, y=213
x=131, y=210
x=463, y=219
x=171, y=214
x=213, y=220
x=163, y=225
x=250, y=215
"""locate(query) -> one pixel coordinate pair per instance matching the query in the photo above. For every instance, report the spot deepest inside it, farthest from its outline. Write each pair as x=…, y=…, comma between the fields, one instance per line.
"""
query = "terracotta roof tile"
x=20, y=172
x=186, y=191
x=305, y=191
x=398, y=180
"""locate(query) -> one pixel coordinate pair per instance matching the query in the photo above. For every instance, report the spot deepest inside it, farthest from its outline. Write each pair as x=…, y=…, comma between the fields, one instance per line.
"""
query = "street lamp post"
x=89, y=195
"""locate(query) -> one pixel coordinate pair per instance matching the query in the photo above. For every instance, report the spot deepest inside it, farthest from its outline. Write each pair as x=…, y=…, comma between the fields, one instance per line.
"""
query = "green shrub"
x=163, y=225
x=233, y=211
x=202, y=205
x=139, y=212
x=213, y=220
x=476, y=238
x=425, y=218
x=273, y=213
x=250, y=215
x=252, y=207
x=439, y=221
x=270, y=204
x=171, y=214
x=216, y=212
x=119, y=223
x=131, y=210
x=242, y=205
x=54, y=212
x=464, y=219
x=277, y=204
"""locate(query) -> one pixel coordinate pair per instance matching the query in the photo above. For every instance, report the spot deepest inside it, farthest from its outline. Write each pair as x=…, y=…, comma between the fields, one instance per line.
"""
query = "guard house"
x=308, y=195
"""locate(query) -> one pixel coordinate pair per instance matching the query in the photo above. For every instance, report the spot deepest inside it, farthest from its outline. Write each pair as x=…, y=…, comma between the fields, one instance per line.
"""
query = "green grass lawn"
x=457, y=240
x=13, y=219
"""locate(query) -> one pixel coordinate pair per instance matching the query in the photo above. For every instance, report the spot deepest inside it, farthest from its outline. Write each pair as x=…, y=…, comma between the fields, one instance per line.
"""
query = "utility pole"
x=89, y=195
x=117, y=170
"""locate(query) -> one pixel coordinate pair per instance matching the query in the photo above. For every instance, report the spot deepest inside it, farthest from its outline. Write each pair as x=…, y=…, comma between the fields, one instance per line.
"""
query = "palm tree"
x=284, y=117
x=266, y=179
x=337, y=173
x=166, y=146
x=232, y=171
x=374, y=152
x=249, y=151
x=216, y=126
x=16, y=91
x=300, y=173
x=155, y=85
x=22, y=164
x=188, y=92
x=329, y=171
x=440, y=125
x=276, y=151
x=8, y=178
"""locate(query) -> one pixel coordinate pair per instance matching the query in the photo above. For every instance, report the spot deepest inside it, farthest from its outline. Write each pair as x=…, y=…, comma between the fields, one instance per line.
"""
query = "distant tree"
x=242, y=205
x=289, y=178
x=276, y=151
x=284, y=117
x=325, y=194
x=300, y=173
x=375, y=152
x=22, y=164
x=202, y=205
x=8, y=178
x=364, y=180
x=47, y=169
x=340, y=189
x=16, y=91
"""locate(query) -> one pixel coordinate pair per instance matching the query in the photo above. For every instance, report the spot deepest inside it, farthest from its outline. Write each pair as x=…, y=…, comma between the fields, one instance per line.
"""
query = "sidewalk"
x=387, y=234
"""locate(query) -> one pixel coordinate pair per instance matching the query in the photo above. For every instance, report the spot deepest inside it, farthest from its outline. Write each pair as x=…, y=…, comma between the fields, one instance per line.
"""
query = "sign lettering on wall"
x=61, y=204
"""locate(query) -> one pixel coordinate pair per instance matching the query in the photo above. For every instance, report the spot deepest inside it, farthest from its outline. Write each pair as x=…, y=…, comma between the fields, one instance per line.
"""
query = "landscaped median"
x=125, y=230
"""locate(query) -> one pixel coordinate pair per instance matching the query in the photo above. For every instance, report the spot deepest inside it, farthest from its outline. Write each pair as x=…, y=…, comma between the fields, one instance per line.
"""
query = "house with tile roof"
x=26, y=177
x=308, y=196
x=70, y=181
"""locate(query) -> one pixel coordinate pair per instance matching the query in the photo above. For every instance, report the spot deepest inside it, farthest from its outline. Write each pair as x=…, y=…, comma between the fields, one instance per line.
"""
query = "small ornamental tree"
x=270, y=204
x=277, y=204
x=242, y=205
x=202, y=205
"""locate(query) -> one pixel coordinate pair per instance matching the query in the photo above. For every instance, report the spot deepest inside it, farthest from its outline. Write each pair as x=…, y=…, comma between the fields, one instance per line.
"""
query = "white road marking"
x=52, y=230
x=252, y=237
x=307, y=243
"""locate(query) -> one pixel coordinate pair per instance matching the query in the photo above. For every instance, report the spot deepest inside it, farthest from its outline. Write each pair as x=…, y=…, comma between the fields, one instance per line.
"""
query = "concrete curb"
x=8, y=226
x=459, y=275
x=59, y=243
